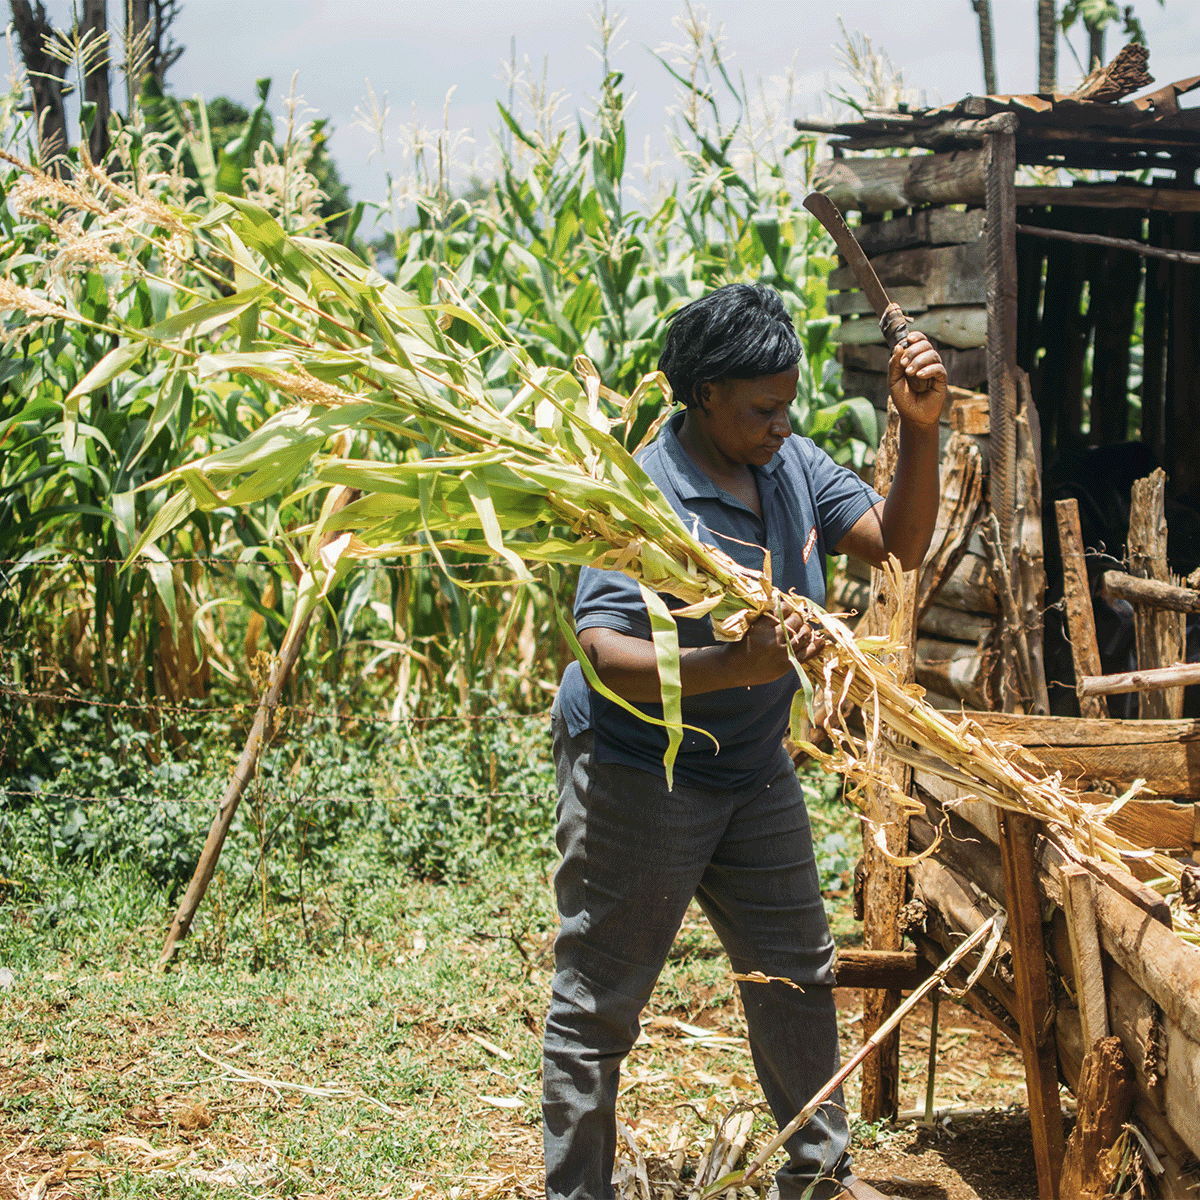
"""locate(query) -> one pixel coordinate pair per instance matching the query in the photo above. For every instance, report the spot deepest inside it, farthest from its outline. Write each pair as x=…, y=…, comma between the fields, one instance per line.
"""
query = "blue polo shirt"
x=809, y=503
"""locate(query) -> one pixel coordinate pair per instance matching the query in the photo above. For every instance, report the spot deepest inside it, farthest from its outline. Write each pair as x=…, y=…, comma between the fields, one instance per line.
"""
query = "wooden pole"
x=1160, y=634
x=987, y=49
x=1029, y=557
x=848, y=1068
x=1077, y=598
x=1080, y=910
x=1180, y=675
x=1113, y=243
x=1001, y=160
x=307, y=600
x=1001, y=288
x=1034, y=1008
x=885, y=882
x=1106, y=1092
x=1047, y=46
x=1149, y=592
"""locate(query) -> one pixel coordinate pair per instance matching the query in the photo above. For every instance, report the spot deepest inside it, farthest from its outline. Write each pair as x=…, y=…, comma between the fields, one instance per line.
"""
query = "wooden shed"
x=1039, y=290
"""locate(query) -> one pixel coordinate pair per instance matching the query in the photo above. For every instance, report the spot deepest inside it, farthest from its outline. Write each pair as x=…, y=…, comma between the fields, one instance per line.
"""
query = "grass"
x=375, y=1034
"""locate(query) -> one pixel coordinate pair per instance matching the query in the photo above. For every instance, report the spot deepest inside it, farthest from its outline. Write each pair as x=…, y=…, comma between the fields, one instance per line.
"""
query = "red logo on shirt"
x=810, y=543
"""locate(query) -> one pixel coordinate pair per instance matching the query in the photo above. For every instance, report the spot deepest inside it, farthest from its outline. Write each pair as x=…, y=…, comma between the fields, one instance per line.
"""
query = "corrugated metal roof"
x=1141, y=131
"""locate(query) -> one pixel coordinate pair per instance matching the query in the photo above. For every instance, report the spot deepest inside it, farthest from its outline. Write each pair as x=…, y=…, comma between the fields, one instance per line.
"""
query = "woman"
x=733, y=832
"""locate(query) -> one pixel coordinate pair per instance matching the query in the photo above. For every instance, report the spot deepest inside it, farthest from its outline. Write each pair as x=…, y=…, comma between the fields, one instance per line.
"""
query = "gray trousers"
x=633, y=856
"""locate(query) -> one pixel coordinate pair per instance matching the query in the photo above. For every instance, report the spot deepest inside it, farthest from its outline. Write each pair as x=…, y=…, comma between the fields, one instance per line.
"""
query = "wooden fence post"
x=247, y=767
x=1035, y=1013
x=885, y=882
x=1017, y=832
x=1160, y=633
x=1077, y=599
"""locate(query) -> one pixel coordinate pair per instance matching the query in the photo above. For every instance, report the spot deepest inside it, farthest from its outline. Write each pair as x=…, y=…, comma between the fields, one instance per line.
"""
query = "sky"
x=413, y=54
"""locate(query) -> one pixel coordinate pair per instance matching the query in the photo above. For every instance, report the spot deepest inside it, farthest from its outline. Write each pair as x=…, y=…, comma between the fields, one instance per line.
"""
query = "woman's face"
x=747, y=419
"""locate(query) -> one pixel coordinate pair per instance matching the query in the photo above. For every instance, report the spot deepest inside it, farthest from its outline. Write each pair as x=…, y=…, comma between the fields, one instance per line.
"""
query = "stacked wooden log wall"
x=932, y=263
x=956, y=606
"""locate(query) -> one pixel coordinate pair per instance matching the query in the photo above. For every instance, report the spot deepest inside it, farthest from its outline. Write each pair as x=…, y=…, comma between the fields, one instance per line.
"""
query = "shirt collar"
x=691, y=482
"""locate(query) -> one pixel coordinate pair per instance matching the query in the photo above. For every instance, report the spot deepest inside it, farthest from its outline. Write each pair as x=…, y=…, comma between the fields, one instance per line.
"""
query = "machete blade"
x=895, y=329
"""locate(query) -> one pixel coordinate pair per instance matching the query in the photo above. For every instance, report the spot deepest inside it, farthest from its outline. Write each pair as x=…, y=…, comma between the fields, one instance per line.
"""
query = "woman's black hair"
x=736, y=332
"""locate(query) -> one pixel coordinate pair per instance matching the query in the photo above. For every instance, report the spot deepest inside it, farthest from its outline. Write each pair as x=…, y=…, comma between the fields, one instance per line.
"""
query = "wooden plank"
x=969, y=586
x=1064, y=336
x=1154, y=341
x=1105, y=1093
x=977, y=813
x=928, y=227
x=1029, y=575
x=1001, y=278
x=1114, y=291
x=1077, y=597
x=1157, y=824
x=971, y=415
x=1160, y=634
x=941, y=275
x=966, y=369
x=884, y=888
x=1169, y=768
x=963, y=327
x=1146, y=1035
x=1181, y=1085
x=1149, y=593
x=1183, y=359
x=1033, y=998
x=951, y=624
x=1166, y=968
x=961, y=848
x=869, y=384
x=1080, y=910
x=1075, y=731
x=1146, y=199
x=961, y=495
x=873, y=185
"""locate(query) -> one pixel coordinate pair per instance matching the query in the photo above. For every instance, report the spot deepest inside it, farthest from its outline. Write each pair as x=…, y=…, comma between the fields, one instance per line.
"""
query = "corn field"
x=559, y=255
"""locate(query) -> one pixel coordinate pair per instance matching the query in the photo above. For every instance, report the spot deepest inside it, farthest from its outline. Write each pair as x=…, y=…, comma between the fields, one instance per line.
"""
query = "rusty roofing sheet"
x=1156, y=114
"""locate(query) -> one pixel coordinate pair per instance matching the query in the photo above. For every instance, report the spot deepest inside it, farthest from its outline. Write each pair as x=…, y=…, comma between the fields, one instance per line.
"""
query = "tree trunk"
x=988, y=49
x=1047, y=46
x=139, y=48
x=166, y=52
x=95, y=81
x=45, y=78
x=1095, y=46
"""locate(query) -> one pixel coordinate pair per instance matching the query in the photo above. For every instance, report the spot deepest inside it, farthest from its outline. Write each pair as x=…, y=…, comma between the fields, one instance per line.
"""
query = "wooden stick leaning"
x=247, y=766
x=990, y=926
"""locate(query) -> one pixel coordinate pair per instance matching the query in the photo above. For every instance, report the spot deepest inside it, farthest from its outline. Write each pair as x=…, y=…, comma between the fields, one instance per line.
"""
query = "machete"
x=891, y=319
